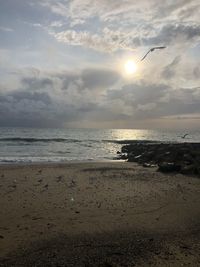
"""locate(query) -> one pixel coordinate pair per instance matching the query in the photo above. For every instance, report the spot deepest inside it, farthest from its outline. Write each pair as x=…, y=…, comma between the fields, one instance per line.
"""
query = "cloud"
x=18, y=96
x=170, y=70
x=156, y=100
x=69, y=82
x=104, y=42
x=57, y=7
x=23, y=108
x=99, y=78
x=189, y=12
x=172, y=8
x=130, y=24
x=56, y=23
x=146, y=107
x=180, y=102
x=6, y=29
x=70, y=98
x=175, y=34
x=54, y=98
x=112, y=40
x=196, y=72
x=90, y=78
x=125, y=12
x=36, y=83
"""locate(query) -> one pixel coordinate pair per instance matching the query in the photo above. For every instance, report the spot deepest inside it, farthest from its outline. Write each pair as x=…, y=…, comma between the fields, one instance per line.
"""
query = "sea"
x=29, y=145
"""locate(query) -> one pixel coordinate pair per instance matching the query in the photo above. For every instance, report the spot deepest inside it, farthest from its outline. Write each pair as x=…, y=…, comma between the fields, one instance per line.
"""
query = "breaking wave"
x=32, y=140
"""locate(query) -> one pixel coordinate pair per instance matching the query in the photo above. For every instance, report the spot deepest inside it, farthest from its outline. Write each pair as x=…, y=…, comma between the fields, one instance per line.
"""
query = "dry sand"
x=98, y=214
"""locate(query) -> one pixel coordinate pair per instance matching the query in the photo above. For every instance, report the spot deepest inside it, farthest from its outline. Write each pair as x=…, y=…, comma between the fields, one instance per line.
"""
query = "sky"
x=62, y=64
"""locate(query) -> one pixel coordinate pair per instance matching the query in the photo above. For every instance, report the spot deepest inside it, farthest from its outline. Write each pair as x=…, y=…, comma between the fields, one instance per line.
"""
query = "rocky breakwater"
x=169, y=157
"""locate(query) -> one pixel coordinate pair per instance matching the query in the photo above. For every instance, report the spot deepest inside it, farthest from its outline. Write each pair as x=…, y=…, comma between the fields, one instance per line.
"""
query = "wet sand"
x=98, y=214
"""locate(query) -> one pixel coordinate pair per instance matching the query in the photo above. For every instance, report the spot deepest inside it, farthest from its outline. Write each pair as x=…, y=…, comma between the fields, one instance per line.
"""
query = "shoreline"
x=126, y=146
x=90, y=214
x=60, y=163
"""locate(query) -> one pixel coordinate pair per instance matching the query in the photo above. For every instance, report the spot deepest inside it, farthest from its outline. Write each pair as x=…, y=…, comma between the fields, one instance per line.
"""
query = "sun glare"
x=130, y=67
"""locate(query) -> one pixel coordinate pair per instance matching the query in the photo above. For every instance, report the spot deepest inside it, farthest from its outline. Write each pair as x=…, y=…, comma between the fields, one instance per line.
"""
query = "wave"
x=32, y=140
x=65, y=140
x=123, y=142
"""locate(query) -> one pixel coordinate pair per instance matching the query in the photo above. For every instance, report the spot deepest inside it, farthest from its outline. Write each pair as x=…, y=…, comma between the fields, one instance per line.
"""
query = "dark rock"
x=149, y=165
x=170, y=157
x=123, y=156
x=107, y=264
x=187, y=157
x=169, y=167
x=197, y=170
x=137, y=157
x=187, y=169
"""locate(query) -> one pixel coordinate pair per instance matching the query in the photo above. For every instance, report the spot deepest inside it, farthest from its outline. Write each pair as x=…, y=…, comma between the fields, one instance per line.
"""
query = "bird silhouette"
x=152, y=49
x=184, y=135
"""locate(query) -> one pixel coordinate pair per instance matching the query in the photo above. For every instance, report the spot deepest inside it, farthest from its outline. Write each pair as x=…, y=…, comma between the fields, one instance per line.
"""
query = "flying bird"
x=184, y=135
x=152, y=49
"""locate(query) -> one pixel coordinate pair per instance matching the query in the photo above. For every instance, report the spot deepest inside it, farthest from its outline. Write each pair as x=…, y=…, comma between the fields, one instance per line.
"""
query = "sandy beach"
x=98, y=214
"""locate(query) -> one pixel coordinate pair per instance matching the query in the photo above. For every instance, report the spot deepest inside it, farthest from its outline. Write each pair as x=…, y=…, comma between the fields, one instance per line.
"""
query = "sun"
x=130, y=67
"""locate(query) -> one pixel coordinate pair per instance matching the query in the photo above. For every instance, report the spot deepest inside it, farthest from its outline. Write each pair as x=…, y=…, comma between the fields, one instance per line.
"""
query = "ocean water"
x=60, y=145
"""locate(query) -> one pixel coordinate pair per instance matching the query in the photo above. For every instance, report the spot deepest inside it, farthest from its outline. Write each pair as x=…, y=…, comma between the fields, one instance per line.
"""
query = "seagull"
x=184, y=135
x=152, y=49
